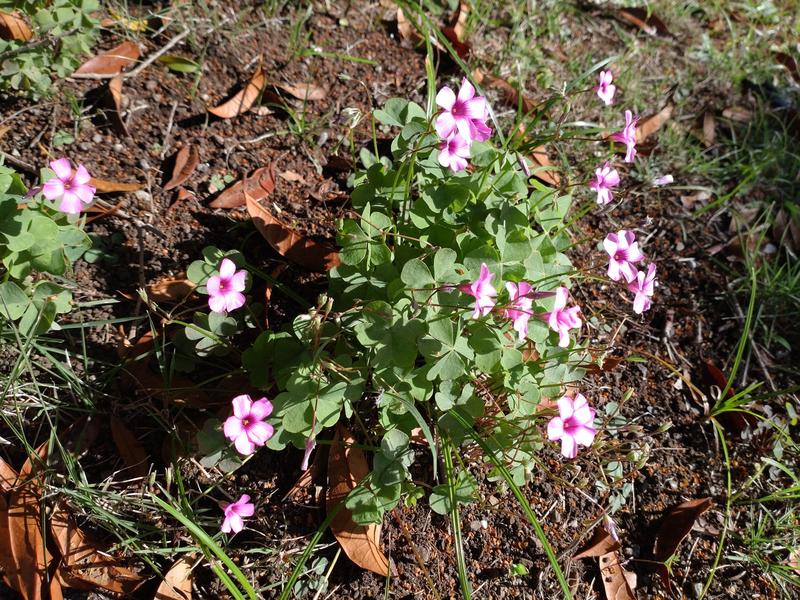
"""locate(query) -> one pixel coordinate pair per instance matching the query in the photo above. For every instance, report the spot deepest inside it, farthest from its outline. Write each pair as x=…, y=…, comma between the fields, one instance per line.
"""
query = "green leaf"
x=13, y=300
x=465, y=487
x=179, y=64
x=417, y=276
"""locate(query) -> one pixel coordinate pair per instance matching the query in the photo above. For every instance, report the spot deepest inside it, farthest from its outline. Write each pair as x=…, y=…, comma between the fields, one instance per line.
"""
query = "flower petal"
x=583, y=436
x=446, y=98
x=261, y=409
x=53, y=188
x=234, y=300
x=82, y=176
x=466, y=92
x=445, y=124
x=217, y=303
x=565, y=407
x=70, y=203
x=555, y=429
x=244, y=445
x=227, y=268
x=569, y=449
x=241, y=406
x=236, y=523
x=232, y=428
x=62, y=168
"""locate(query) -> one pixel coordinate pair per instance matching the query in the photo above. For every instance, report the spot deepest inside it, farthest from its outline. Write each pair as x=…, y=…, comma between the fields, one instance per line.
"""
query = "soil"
x=161, y=232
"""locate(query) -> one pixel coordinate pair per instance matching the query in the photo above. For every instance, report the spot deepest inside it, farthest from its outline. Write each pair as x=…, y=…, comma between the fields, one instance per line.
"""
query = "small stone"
x=475, y=525
x=202, y=167
x=84, y=146
x=97, y=138
x=697, y=589
x=142, y=196
x=118, y=147
x=144, y=164
x=151, y=85
x=218, y=139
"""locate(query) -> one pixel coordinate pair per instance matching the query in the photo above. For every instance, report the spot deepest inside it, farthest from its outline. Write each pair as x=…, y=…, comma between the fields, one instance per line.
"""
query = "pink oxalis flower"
x=235, y=513
x=574, y=425
x=246, y=427
x=663, y=180
x=483, y=291
x=561, y=318
x=520, y=306
x=454, y=152
x=225, y=290
x=73, y=189
x=627, y=136
x=623, y=254
x=605, y=178
x=605, y=89
x=464, y=113
x=643, y=286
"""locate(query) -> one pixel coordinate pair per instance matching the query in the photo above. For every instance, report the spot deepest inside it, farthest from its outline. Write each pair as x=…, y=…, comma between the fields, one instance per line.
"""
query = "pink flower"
x=74, y=190
x=605, y=178
x=235, y=512
x=465, y=113
x=483, y=291
x=225, y=290
x=520, y=307
x=663, y=180
x=627, y=136
x=454, y=152
x=605, y=90
x=574, y=426
x=311, y=443
x=246, y=427
x=623, y=252
x=561, y=318
x=643, y=286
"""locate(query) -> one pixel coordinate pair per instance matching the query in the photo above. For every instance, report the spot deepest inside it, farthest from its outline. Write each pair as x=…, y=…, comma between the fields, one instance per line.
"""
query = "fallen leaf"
x=258, y=185
x=8, y=476
x=617, y=582
x=177, y=583
x=675, y=527
x=292, y=176
x=709, y=129
x=738, y=113
x=459, y=22
x=14, y=28
x=303, y=91
x=652, y=123
x=510, y=94
x=786, y=229
x=6, y=564
x=549, y=175
x=115, y=106
x=788, y=61
x=600, y=544
x=112, y=62
x=244, y=99
x=316, y=256
x=644, y=19
x=347, y=466
x=105, y=186
x=85, y=564
x=129, y=448
x=406, y=28
x=186, y=161
x=170, y=290
x=733, y=421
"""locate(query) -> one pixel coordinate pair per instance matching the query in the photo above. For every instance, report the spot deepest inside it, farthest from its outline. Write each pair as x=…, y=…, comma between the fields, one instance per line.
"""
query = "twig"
x=17, y=162
x=165, y=143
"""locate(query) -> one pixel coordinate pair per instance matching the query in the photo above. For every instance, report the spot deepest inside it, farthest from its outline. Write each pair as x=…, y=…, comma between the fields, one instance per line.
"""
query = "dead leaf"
x=12, y=27
x=316, y=256
x=645, y=20
x=259, y=185
x=510, y=94
x=733, y=421
x=617, y=582
x=459, y=22
x=129, y=448
x=709, y=129
x=112, y=62
x=652, y=123
x=170, y=290
x=786, y=229
x=85, y=564
x=788, y=61
x=549, y=175
x=105, y=186
x=406, y=28
x=186, y=160
x=303, y=91
x=244, y=99
x=675, y=527
x=292, y=177
x=115, y=105
x=738, y=114
x=347, y=466
x=177, y=583
x=6, y=564
x=8, y=477
x=600, y=544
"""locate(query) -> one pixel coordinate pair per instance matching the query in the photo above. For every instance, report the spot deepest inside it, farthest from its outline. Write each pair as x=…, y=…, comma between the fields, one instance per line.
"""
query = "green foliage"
x=63, y=30
x=36, y=240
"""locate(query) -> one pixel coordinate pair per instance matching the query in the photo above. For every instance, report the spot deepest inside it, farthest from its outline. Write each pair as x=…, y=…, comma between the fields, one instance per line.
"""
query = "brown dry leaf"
x=316, y=256
x=406, y=28
x=786, y=229
x=129, y=448
x=459, y=22
x=242, y=100
x=170, y=290
x=639, y=17
x=600, y=544
x=8, y=476
x=258, y=185
x=709, y=129
x=676, y=526
x=511, y=95
x=112, y=62
x=788, y=61
x=652, y=123
x=549, y=176
x=177, y=583
x=617, y=582
x=84, y=563
x=6, y=564
x=292, y=176
x=115, y=95
x=303, y=91
x=186, y=161
x=105, y=186
x=738, y=114
x=347, y=466
x=733, y=421
x=14, y=28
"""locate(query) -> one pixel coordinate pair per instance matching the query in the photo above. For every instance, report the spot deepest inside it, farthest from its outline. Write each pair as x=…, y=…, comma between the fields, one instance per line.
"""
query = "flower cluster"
x=461, y=120
x=520, y=308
